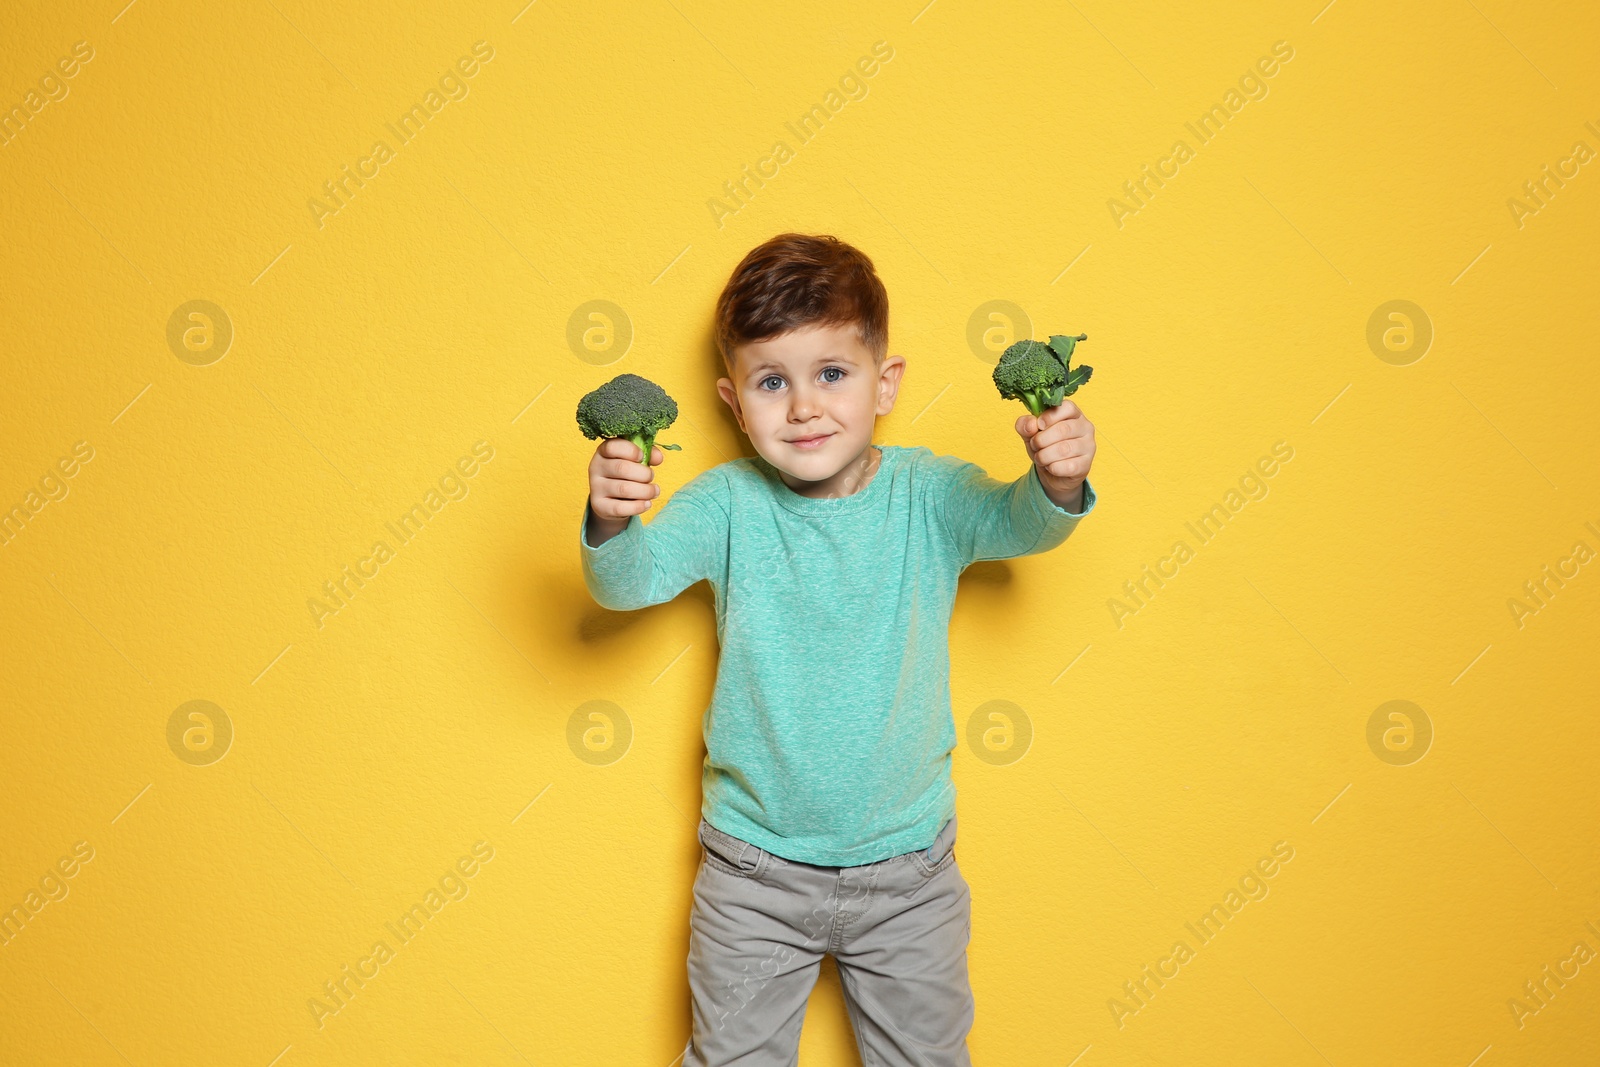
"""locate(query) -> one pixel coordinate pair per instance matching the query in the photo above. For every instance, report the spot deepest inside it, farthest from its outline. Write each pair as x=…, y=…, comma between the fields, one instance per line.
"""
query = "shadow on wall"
x=991, y=573
x=597, y=624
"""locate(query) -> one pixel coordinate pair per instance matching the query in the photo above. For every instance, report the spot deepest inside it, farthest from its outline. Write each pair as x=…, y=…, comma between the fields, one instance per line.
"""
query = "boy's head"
x=803, y=328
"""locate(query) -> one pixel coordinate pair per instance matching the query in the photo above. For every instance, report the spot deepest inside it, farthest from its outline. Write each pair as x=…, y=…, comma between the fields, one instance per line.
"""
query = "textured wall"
x=279, y=275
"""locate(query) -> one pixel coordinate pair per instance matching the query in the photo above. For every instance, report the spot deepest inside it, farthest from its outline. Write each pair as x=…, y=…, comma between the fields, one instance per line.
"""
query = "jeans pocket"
x=727, y=853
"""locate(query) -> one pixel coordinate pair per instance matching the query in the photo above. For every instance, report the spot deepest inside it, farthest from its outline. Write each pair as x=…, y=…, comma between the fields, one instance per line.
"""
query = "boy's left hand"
x=1061, y=444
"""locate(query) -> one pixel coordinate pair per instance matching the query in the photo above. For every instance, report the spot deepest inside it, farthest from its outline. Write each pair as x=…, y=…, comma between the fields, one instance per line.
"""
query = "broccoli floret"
x=1040, y=375
x=628, y=406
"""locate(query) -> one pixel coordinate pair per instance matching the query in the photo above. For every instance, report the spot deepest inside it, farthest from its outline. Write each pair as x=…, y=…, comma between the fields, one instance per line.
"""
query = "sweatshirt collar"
x=835, y=505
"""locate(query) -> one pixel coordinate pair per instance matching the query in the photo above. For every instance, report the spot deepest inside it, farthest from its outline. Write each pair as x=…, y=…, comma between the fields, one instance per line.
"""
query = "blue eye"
x=837, y=369
x=770, y=378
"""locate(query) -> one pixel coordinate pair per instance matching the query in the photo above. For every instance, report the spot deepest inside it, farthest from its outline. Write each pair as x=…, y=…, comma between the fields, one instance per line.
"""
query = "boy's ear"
x=730, y=396
x=889, y=382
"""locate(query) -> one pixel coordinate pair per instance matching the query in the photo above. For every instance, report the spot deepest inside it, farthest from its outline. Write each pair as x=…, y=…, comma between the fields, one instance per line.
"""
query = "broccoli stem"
x=647, y=443
x=1040, y=399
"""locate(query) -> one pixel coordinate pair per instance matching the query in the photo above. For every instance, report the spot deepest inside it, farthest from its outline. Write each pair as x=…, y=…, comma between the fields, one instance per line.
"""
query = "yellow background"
x=432, y=310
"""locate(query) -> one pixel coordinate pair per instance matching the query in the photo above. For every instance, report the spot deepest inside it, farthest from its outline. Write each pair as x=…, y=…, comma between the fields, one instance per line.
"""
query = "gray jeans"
x=897, y=929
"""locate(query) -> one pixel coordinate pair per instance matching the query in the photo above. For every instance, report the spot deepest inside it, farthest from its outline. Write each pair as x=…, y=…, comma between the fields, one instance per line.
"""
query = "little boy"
x=828, y=819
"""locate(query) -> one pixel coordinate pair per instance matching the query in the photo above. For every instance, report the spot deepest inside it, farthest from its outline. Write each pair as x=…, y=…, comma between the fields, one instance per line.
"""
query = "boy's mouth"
x=810, y=442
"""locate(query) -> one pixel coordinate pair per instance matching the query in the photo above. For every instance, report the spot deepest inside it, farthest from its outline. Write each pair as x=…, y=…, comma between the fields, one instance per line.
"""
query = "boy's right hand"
x=619, y=485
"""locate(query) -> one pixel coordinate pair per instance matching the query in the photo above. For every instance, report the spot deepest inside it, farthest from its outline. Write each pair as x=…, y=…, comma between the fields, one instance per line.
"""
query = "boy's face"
x=808, y=400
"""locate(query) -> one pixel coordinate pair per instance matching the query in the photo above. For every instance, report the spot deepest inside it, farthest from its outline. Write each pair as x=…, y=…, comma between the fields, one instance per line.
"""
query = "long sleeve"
x=650, y=563
x=990, y=519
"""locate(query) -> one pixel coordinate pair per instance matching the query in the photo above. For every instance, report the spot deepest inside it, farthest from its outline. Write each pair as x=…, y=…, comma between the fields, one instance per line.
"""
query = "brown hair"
x=795, y=280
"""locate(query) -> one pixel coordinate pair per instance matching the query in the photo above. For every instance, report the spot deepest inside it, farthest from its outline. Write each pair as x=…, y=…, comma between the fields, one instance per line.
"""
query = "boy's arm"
x=990, y=519
x=651, y=563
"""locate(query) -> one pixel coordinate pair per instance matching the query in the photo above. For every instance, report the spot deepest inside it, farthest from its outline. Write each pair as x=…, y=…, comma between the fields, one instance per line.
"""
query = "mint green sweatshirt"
x=829, y=735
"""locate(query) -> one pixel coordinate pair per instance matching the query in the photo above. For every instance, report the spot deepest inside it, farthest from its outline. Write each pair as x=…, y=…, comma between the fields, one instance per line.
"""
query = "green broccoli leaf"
x=1076, y=377
x=1062, y=346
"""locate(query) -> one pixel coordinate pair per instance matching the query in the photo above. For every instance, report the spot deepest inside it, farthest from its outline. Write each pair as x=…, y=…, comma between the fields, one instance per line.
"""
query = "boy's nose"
x=802, y=403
